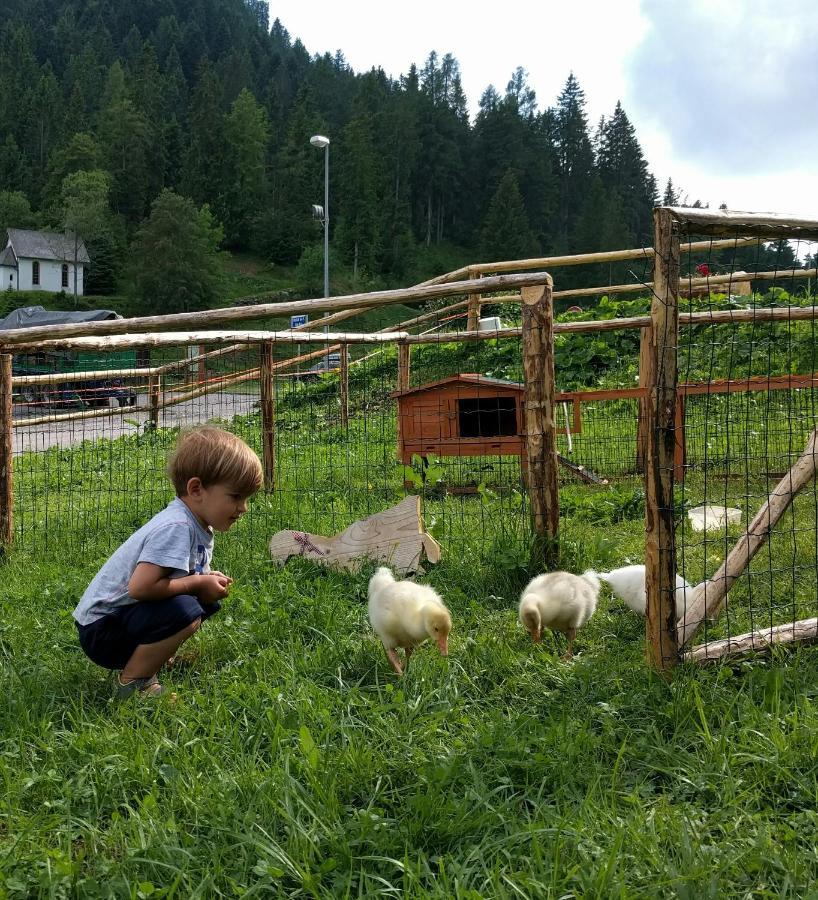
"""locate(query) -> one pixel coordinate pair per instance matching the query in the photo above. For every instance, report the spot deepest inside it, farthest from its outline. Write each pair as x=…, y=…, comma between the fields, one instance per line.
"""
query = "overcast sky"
x=723, y=94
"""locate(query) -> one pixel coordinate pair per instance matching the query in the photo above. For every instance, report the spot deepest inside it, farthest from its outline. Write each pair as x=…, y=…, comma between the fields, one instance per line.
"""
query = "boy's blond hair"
x=216, y=457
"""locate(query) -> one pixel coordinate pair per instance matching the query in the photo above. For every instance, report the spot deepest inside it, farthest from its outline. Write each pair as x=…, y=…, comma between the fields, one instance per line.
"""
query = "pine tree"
x=670, y=196
x=505, y=233
x=624, y=171
x=125, y=139
x=245, y=189
x=203, y=168
x=357, y=235
x=574, y=157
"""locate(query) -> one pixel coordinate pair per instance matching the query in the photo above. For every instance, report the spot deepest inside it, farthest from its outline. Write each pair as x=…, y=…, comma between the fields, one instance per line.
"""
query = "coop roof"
x=47, y=245
x=481, y=380
x=31, y=316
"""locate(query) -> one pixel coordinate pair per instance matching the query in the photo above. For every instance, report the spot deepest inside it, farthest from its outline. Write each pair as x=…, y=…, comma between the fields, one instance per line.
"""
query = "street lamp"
x=322, y=143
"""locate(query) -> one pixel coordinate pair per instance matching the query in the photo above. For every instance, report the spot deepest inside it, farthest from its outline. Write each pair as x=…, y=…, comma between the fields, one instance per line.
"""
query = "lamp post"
x=322, y=143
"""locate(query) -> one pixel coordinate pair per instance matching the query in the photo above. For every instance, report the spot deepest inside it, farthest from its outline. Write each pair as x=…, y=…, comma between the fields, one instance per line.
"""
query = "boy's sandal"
x=149, y=686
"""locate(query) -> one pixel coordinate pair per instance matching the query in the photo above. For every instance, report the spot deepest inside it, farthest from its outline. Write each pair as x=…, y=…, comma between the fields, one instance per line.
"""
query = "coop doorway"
x=483, y=417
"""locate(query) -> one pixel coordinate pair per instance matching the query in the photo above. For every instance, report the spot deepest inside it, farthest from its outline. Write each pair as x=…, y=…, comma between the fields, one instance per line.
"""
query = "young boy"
x=157, y=588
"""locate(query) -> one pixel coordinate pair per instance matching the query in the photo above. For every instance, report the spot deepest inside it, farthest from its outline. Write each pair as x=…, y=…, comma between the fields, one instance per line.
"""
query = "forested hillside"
x=105, y=107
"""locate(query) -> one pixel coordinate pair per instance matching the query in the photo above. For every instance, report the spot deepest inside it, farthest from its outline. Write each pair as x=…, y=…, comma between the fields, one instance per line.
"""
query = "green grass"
x=296, y=765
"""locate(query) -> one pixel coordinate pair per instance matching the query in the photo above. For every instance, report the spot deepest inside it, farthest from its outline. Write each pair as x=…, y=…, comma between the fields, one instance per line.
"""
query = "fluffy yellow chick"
x=405, y=614
x=559, y=601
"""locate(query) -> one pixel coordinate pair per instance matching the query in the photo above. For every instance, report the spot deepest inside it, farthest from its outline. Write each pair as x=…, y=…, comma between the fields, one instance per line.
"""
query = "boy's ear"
x=194, y=487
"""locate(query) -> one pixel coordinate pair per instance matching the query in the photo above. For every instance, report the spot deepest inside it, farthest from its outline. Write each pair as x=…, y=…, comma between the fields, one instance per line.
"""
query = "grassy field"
x=295, y=764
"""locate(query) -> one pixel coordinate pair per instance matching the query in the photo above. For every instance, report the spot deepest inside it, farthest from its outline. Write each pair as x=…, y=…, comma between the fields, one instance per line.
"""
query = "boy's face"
x=218, y=505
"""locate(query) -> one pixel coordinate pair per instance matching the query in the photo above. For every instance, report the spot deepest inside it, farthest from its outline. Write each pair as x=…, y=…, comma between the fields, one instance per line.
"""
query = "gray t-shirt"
x=173, y=539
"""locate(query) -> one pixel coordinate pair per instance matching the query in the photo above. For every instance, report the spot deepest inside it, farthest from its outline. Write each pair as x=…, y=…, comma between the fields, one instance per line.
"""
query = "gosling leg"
x=394, y=660
x=571, y=634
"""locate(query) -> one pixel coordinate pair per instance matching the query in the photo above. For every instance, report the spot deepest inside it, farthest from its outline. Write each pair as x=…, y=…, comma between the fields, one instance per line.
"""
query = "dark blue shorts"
x=111, y=640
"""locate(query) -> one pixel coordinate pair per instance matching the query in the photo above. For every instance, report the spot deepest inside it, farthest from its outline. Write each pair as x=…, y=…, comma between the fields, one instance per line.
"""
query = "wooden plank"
x=708, y=597
x=195, y=321
x=268, y=417
x=761, y=641
x=395, y=537
x=660, y=535
x=344, y=378
x=6, y=455
x=540, y=426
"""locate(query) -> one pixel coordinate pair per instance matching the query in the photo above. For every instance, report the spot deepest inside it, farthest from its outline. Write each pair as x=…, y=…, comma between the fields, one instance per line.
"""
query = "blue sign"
x=297, y=321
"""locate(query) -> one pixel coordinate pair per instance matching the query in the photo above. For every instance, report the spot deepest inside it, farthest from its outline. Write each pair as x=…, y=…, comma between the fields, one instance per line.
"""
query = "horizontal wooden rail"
x=216, y=317
x=57, y=377
x=579, y=259
x=770, y=226
x=182, y=338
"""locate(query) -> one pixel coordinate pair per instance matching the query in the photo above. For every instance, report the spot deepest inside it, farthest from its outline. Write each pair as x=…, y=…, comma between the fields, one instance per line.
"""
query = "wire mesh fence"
x=740, y=525
x=348, y=429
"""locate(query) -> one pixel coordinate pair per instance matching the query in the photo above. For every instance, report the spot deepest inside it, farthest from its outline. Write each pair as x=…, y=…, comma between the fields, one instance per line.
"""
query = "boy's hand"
x=227, y=578
x=213, y=586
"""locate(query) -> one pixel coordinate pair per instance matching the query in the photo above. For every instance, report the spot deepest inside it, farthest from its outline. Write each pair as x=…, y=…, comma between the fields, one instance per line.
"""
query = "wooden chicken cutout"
x=395, y=536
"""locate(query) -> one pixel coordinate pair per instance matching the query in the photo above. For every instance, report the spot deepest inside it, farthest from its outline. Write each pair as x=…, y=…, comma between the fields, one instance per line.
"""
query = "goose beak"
x=443, y=645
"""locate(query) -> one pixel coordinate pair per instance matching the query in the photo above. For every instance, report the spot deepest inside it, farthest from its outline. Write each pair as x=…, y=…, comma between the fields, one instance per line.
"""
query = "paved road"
x=67, y=433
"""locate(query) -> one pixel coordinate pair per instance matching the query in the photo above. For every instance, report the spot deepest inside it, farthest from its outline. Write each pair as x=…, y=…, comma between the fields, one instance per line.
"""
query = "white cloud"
x=721, y=92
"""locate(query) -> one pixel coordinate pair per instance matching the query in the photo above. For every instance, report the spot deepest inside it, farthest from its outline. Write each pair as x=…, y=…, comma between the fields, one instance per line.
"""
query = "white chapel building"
x=43, y=261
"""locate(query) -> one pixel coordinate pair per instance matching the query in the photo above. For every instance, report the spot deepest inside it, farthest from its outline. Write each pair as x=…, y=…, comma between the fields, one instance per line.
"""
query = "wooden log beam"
x=540, y=427
x=761, y=641
x=56, y=377
x=195, y=321
x=765, y=225
x=709, y=596
x=687, y=285
x=660, y=536
x=185, y=338
x=582, y=259
x=6, y=455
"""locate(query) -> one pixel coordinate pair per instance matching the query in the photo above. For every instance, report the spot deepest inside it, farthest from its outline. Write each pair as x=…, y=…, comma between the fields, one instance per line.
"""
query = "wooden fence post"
x=540, y=430
x=344, y=375
x=473, y=314
x=202, y=371
x=268, y=415
x=660, y=448
x=645, y=381
x=404, y=365
x=6, y=454
x=154, y=389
